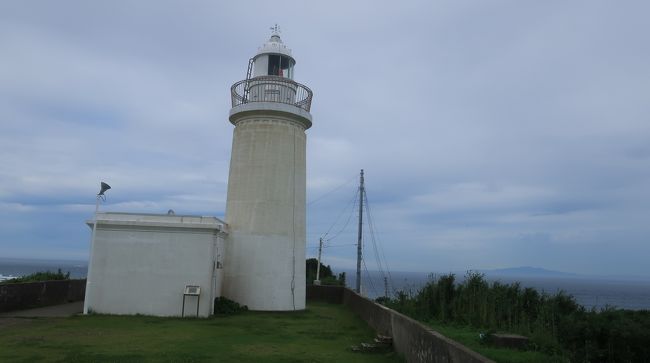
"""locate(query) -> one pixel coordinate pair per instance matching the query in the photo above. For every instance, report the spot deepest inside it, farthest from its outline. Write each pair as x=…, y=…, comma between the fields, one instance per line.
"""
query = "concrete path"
x=55, y=311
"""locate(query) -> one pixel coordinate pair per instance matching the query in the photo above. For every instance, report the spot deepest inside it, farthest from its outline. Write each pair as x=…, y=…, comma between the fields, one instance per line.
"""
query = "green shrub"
x=327, y=277
x=224, y=306
x=556, y=324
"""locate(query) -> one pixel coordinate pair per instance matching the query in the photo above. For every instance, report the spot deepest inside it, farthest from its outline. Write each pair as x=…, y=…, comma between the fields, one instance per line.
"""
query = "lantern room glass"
x=280, y=65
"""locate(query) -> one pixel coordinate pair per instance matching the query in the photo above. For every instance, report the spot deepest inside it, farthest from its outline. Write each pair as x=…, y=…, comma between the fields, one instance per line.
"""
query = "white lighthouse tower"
x=265, y=210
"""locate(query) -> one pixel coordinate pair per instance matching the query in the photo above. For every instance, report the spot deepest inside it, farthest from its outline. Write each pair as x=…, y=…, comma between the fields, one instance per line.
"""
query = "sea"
x=589, y=291
x=16, y=267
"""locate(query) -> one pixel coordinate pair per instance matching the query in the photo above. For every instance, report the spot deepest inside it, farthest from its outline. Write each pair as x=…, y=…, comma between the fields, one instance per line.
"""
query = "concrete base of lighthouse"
x=265, y=210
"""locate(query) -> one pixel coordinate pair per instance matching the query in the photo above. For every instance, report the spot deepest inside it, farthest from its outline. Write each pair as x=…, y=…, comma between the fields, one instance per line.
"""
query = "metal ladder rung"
x=249, y=72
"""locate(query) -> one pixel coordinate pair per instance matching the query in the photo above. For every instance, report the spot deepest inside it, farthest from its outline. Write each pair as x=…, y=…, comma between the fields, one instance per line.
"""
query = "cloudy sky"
x=493, y=133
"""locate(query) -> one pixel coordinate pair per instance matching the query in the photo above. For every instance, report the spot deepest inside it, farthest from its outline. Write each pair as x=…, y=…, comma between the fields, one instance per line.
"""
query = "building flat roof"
x=159, y=220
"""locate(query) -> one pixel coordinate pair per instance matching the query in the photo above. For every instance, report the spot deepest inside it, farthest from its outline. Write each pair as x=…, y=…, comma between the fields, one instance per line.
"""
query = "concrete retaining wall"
x=419, y=343
x=415, y=341
x=376, y=315
x=36, y=294
x=330, y=294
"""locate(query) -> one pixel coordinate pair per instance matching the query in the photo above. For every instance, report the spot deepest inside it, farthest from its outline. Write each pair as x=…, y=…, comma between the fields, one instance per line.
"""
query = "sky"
x=493, y=134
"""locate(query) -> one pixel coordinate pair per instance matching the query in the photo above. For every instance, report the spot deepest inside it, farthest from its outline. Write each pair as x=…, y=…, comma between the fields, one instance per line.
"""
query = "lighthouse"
x=265, y=208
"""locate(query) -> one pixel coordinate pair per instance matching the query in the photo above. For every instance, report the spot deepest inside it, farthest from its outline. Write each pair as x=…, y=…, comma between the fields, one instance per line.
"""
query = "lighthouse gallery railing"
x=271, y=89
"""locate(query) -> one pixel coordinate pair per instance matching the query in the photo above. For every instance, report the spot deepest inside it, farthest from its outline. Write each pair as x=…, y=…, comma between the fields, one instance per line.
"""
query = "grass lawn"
x=468, y=337
x=322, y=333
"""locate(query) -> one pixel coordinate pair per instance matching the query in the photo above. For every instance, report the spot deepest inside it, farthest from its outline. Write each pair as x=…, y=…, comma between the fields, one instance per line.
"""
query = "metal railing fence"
x=271, y=89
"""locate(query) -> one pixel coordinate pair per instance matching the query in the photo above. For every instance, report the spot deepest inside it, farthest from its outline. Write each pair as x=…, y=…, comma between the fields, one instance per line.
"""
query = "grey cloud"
x=480, y=126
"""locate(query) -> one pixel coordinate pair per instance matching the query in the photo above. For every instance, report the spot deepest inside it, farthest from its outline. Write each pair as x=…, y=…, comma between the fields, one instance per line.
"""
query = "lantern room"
x=273, y=58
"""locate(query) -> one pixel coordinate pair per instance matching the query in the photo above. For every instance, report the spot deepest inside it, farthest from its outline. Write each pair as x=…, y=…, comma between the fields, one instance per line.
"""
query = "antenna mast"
x=360, y=234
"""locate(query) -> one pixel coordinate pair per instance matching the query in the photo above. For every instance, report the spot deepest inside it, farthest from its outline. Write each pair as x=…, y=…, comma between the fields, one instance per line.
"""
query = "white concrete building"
x=142, y=263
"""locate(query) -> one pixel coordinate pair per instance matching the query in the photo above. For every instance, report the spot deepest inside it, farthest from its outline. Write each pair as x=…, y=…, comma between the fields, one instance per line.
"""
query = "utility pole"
x=386, y=287
x=320, y=250
x=100, y=196
x=360, y=234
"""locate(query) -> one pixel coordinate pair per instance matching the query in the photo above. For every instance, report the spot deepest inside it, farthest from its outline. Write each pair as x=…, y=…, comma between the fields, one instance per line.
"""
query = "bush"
x=327, y=277
x=224, y=306
x=556, y=324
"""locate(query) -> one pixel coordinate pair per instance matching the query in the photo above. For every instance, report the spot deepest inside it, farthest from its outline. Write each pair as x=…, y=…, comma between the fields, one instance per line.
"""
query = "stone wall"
x=36, y=294
x=415, y=341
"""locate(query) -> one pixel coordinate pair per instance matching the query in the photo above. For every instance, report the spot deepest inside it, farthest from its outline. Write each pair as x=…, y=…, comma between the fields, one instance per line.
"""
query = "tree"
x=326, y=275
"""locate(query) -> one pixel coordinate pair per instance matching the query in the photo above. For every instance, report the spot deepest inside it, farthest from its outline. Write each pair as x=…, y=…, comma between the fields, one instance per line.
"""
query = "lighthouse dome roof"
x=274, y=46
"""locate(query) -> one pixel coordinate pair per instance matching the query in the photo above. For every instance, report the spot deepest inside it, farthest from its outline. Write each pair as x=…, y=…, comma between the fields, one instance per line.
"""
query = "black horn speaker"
x=105, y=187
